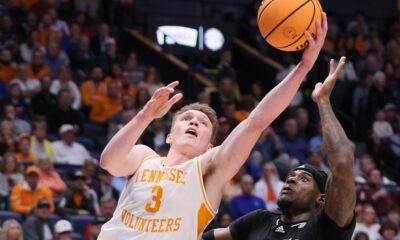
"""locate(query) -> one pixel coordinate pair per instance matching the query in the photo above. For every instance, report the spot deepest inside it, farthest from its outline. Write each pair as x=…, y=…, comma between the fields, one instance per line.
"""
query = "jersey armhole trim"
x=203, y=191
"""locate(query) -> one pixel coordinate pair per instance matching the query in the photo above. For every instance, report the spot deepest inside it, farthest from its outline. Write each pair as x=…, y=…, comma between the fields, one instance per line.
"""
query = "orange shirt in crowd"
x=7, y=73
x=23, y=199
x=44, y=71
x=92, y=93
x=104, y=109
x=24, y=158
x=53, y=181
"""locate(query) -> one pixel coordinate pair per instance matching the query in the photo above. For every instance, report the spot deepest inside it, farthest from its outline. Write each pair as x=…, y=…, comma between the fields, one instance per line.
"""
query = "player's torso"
x=161, y=202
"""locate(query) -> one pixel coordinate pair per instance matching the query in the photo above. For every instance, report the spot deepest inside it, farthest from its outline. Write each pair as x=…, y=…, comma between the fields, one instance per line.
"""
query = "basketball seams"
x=311, y=21
x=259, y=15
x=288, y=16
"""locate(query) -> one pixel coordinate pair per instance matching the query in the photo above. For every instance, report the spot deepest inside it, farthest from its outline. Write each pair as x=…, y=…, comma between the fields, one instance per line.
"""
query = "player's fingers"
x=331, y=66
x=340, y=65
x=173, y=84
x=324, y=22
x=175, y=99
x=309, y=38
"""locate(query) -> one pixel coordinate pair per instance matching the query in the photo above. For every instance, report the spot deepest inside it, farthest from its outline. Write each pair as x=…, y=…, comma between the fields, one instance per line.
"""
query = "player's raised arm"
x=340, y=188
x=236, y=148
x=121, y=157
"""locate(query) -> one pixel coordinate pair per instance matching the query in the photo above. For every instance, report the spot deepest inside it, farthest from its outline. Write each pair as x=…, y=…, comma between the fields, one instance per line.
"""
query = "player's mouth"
x=191, y=132
x=286, y=190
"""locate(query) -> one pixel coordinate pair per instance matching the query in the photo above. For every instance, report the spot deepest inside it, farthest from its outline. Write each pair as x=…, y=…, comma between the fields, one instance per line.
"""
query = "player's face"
x=300, y=191
x=191, y=131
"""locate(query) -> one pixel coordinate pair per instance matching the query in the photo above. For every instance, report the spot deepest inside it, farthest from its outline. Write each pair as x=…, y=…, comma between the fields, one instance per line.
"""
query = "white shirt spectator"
x=74, y=154
x=382, y=129
x=372, y=231
x=56, y=86
x=260, y=190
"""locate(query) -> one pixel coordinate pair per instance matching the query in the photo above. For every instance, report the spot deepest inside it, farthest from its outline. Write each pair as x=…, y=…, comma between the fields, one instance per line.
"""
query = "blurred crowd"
x=66, y=88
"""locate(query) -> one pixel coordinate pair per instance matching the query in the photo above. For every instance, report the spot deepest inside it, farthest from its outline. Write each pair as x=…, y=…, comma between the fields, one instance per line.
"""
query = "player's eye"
x=304, y=179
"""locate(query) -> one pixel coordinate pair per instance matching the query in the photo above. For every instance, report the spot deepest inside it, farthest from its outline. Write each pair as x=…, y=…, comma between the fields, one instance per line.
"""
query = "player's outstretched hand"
x=311, y=52
x=322, y=91
x=160, y=103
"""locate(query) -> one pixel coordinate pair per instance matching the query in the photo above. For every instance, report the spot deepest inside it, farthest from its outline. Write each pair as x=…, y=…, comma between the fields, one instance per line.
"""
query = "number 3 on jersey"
x=157, y=195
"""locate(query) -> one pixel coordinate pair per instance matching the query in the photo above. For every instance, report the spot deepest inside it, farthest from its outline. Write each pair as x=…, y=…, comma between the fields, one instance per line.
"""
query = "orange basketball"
x=282, y=23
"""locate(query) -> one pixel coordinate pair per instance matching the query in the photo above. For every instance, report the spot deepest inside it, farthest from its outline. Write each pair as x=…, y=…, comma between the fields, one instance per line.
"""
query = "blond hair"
x=204, y=108
x=6, y=226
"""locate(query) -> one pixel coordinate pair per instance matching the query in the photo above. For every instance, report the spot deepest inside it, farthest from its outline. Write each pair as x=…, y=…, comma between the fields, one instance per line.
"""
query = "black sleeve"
x=242, y=227
x=322, y=227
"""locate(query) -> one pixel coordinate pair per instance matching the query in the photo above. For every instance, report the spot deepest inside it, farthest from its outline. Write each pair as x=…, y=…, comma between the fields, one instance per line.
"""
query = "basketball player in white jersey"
x=175, y=197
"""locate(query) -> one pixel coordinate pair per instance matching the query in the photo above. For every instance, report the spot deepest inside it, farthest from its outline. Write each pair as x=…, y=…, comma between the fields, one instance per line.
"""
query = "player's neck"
x=175, y=157
x=292, y=216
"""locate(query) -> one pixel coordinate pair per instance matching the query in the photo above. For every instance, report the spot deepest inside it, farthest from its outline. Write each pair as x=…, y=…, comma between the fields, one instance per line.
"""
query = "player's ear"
x=321, y=200
x=209, y=146
x=168, y=139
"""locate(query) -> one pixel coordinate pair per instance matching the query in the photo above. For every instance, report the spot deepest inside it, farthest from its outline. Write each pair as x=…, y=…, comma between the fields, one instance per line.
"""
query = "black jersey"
x=264, y=225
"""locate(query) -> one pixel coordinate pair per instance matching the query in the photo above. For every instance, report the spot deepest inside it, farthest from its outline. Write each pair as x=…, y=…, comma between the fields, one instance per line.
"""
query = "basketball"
x=282, y=23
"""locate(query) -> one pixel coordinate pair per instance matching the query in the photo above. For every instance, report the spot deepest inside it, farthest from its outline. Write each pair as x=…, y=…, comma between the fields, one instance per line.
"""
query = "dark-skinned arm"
x=340, y=188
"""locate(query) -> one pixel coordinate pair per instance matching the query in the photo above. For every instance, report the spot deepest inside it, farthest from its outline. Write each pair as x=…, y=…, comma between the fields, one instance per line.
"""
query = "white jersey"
x=162, y=203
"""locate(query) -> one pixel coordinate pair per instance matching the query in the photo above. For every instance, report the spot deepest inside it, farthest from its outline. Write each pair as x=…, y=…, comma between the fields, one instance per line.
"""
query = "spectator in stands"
x=9, y=30
x=63, y=230
x=374, y=193
x=127, y=87
x=105, y=190
x=94, y=88
x=204, y=97
x=107, y=207
x=28, y=86
x=225, y=93
x=293, y=144
x=269, y=186
x=90, y=172
x=368, y=223
x=98, y=43
x=135, y=69
x=361, y=236
x=7, y=66
x=10, y=175
x=388, y=231
x=39, y=144
x=142, y=96
x=79, y=199
x=233, y=188
x=38, y=70
x=15, y=98
x=245, y=108
x=82, y=59
x=66, y=150
x=55, y=58
x=119, y=120
x=92, y=231
x=366, y=165
x=49, y=177
x=391, y=115
x=224, y=128
x=393, y=215
x=246, y=202
x=28, y=48
x=11, y=230
x=27, y=193
x=63, y=113
x=43, y=100
x=106, y=106
x=380, y=127
x=65, y=81
x=7, y=137
x=20, y=126
x=110, y=56
x=268, y=146
x=38, y=225
x=152, y=80
x=58, y=25
x=23, y=154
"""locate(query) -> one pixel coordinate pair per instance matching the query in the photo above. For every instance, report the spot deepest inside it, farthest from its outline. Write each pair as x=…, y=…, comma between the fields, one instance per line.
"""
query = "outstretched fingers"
x=340, y=66
x=175, y=99
x=173, y=84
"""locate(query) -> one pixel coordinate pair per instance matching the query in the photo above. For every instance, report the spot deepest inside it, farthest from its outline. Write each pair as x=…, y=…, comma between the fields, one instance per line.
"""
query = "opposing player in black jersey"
x=314, y=206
